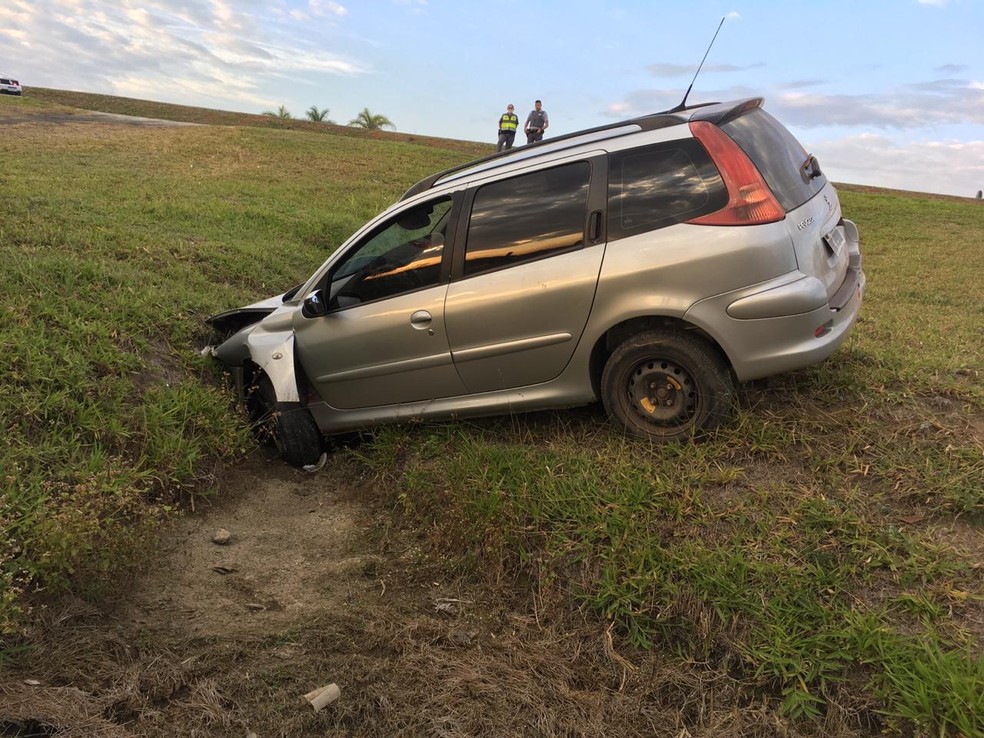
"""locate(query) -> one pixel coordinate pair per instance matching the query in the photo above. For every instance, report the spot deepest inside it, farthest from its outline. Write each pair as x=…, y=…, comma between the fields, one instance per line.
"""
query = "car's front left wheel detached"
x=667, y=385
x=290, y=428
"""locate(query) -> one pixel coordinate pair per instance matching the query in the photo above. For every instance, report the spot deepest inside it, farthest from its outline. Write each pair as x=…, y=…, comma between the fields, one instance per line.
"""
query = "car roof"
x=714, y=112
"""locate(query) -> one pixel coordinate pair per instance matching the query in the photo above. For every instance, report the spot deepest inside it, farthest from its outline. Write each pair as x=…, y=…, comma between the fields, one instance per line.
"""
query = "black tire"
x=287, y=426
x=667, y=385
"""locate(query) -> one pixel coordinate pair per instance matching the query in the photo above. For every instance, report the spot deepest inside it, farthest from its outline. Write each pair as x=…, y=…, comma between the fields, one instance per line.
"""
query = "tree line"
x=365, y=119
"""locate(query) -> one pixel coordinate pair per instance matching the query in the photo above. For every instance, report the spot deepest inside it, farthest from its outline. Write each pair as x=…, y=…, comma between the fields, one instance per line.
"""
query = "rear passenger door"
x=526, y=265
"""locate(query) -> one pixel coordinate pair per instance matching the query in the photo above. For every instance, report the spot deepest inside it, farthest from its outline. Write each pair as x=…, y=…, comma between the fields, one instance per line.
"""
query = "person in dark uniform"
x=536, y=123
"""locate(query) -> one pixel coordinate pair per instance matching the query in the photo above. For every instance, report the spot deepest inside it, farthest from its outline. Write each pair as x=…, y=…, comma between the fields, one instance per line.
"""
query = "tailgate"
x=826, y=247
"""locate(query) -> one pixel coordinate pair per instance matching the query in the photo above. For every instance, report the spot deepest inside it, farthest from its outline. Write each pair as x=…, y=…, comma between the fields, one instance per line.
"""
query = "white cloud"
x=946, y=167
x=327, y=7
x=940, y=102
x=255, y=54
x=416, y=6
x=232, y=53
x=685, y=70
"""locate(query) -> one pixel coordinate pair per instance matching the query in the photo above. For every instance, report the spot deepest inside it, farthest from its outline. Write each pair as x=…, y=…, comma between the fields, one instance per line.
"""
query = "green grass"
x=718, y=553
x=825, y=548
x=73, y=103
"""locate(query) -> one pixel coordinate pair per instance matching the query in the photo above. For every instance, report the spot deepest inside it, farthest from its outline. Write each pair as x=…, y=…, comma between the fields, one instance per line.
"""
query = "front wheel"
x=667, y=385
x=289, y=426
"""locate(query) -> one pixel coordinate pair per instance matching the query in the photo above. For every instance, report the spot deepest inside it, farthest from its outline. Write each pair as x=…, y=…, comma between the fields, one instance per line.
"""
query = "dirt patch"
x=294, y=541
x=315, y=588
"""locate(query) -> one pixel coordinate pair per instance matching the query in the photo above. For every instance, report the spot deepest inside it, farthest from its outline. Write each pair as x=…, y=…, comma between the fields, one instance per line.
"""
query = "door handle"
x=594, y=226
x=421, y=320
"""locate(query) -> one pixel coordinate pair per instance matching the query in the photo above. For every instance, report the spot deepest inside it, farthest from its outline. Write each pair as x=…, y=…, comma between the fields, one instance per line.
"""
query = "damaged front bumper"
x=255, y=337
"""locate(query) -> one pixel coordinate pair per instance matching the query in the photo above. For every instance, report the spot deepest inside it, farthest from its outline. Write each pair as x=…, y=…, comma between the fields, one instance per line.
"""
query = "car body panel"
x=767, y=346
x=819, y=244
x=380, y=353
x=268, y=344
x=800, y=295
x=230, y=321
x=520, y=326
x=567, y=390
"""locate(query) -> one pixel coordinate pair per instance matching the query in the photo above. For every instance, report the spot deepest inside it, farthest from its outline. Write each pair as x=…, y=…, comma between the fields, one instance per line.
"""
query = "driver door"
x=383, y=339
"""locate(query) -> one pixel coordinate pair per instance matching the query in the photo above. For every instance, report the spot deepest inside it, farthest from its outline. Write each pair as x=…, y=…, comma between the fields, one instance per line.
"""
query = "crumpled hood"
x=232, y=321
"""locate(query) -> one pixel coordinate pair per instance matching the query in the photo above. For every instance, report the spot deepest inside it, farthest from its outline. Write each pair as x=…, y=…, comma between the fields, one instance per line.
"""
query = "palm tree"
x=370, y=122
x=283, y=113
x=318, y=116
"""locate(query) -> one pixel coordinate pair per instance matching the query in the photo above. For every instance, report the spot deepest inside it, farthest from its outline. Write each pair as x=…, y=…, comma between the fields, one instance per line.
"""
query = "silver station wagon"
x=651, y=264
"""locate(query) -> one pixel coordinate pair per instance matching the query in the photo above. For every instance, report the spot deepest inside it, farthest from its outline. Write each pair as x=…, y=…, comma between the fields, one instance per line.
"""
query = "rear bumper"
x=763, y=346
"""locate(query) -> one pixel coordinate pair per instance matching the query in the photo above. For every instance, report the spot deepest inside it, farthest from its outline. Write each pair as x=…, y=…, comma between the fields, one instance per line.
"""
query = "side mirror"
x=314, y=305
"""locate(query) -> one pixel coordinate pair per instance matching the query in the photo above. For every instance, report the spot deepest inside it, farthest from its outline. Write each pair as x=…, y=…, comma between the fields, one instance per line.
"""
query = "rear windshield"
x=780, y=158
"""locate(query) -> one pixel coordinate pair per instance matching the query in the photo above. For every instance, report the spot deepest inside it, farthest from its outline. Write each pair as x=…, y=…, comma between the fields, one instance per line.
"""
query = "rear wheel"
x=667, y=385
x=288, y=426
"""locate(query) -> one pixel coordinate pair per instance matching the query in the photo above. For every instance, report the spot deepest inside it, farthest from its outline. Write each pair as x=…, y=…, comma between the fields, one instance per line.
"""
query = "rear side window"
x=528, y=217
x=777, y=154
x=657, y=186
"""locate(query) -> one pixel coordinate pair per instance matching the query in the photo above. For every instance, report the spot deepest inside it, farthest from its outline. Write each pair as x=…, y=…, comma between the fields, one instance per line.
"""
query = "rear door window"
x=528, y=217
x=780, y=158
x=656, y=186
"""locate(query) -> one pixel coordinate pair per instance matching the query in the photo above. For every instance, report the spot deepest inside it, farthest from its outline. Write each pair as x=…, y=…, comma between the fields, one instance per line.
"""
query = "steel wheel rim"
x=662, y=393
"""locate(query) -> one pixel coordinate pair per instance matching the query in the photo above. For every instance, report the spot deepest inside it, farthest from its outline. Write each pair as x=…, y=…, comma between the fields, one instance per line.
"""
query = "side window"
x=528, y=217
x=657, y=186
x=401, y=255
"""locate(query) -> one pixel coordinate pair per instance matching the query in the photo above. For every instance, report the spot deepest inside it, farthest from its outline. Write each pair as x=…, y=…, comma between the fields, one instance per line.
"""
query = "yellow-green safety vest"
x=508, y=123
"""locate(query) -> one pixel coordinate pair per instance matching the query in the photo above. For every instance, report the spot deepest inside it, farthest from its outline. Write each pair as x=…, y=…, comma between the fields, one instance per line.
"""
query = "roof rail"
x=648, y=122
x=558, y=143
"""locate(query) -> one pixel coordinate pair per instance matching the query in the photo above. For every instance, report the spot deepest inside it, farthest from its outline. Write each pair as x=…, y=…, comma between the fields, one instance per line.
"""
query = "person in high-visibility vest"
x=508, y=123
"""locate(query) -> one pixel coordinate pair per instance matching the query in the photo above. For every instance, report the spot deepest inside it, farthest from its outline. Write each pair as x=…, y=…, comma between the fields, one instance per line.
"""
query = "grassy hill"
x=825, y=552
x=205, y=116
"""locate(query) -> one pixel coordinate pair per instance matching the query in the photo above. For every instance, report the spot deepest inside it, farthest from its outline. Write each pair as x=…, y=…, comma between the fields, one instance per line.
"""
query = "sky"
x=883, y=92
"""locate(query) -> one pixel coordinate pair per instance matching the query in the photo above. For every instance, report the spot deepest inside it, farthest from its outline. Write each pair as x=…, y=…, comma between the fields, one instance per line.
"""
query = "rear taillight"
x=750, y=201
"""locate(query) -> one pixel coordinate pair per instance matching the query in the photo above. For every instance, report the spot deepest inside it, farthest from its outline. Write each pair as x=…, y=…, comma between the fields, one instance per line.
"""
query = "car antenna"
x=683, y=103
